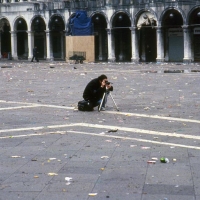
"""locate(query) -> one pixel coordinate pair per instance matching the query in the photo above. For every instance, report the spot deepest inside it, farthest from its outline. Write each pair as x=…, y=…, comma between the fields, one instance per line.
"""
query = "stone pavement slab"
x=49, y=150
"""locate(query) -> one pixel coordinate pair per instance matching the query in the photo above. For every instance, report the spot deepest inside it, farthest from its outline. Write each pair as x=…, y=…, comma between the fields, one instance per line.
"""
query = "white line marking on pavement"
x=136, y=130
x=108, y=136
x=19, y=107
x=108, y=127
x=36, y=128
x=36, y=104
x=135, y=139
x=34, y=134
x=111, y=112
x=153, y=116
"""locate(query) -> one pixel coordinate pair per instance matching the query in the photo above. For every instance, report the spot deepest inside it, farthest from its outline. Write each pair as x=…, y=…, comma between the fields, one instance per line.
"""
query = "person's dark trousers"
x=36, y=58
x=98, y=102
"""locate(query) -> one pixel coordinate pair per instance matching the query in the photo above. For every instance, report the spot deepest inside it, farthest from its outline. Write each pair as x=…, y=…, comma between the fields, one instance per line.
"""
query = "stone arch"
x=61, y=22
x=35, y=17
x=103, y=14
x=16, y=20
x=120, y=12
x=178, y=10
x=140, y=19
x=195, y=14
x=4, y=20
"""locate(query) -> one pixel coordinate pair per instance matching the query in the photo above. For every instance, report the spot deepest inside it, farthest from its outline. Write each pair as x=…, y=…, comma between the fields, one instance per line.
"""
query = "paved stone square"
x=49, y=150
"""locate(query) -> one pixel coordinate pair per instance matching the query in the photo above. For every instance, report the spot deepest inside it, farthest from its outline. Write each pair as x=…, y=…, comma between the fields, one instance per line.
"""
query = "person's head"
x=102, y=78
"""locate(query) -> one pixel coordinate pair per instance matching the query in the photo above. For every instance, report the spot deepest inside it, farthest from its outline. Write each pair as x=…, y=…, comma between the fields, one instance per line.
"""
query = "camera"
x=107, y=83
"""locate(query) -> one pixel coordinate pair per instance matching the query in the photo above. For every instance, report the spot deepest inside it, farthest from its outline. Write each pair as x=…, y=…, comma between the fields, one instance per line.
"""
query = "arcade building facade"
x=124, y=30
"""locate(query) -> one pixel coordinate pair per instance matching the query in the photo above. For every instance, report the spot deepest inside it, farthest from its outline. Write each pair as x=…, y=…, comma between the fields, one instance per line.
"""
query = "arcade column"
x=14, y=45
x=30, y=44
x=134, y=44
x=187, y=44
x=49, y=46
x=160, y=44
x=111, y=46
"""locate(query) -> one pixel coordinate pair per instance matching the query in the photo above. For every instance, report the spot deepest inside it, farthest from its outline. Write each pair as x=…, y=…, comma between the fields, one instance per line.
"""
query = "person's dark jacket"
x=35, y=51
x=94, y=91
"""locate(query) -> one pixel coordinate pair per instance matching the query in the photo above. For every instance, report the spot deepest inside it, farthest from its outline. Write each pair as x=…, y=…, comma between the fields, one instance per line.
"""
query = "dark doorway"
x=57, y=28
x=39, y=27
x=146, y=23
x=194, y=23
x=148, y=44
x=100, y=33
x=122, y=37
x=173, y=41
x=5, y=39
x=22, y=39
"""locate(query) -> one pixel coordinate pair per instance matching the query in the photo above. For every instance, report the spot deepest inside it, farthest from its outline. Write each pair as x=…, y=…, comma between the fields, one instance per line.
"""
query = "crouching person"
x=95, y=90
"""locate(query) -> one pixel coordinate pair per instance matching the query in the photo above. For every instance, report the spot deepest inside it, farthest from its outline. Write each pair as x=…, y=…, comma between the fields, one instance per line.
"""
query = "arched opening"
x=194, y=22
x=5, y=38
x=147, y=37
x=22, y=39
x=101, y=47
x=38, y=27
x=57, y=28
x=122, y=37
x=173, y=40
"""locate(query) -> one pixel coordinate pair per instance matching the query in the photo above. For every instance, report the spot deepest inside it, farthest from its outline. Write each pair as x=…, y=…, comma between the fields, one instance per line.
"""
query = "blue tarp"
x=80, y=24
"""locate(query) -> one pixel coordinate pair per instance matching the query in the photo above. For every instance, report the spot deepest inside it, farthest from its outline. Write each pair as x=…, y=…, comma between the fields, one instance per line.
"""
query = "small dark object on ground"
x=195, y=70
x=113, y=130
x=6, y=66
x=173, y=71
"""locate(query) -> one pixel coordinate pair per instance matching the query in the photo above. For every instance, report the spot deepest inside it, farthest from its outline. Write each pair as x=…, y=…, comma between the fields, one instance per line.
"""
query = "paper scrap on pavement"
x=68, y=178
x=52, y=158
x=92, y=194
x=52, y=174
x=104, y=157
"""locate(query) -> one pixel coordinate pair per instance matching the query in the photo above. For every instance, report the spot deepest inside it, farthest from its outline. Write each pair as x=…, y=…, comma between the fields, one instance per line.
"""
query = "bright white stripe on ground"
x=135, y=139
x=107, y=136
x=108, y=127
x=111, y=112
x=37, y=104
x=153, y=116
x=34, y=134
x=136, y=130
x=19, y=107
x=36, y=128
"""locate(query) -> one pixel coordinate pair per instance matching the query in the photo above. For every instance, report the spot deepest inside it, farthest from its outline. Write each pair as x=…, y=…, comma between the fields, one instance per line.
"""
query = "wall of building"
x=124, y=31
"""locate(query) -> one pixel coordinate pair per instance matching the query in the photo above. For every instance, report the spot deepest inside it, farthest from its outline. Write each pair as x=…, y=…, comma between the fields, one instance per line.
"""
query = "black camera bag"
x=85, y=106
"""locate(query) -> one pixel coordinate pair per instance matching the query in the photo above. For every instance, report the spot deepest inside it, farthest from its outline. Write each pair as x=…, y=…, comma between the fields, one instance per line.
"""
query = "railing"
x=75, y=4
x=88, y=4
